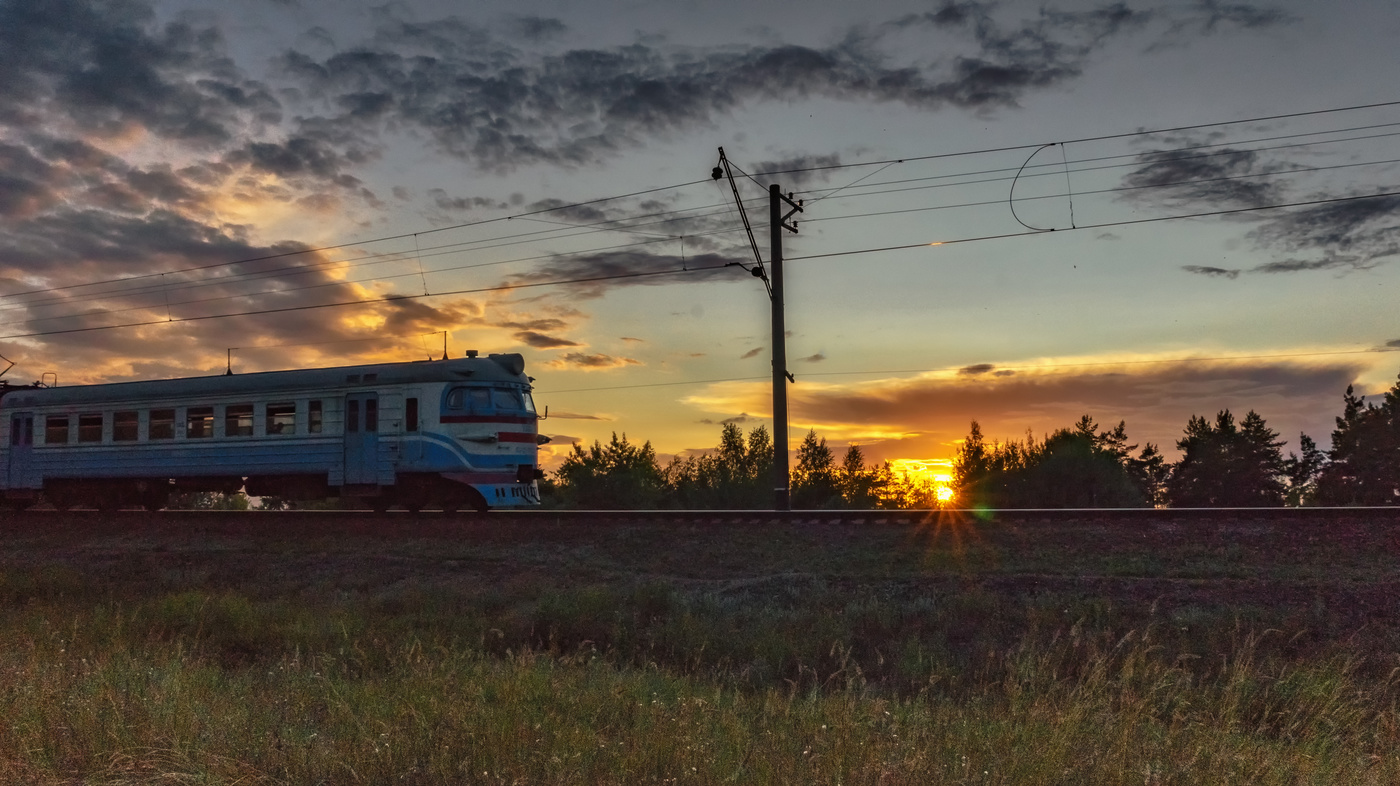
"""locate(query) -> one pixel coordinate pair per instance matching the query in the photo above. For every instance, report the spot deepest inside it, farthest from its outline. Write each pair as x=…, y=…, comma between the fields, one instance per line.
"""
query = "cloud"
x=929, y=414
x=798, y=171
x=590, y=275
x=112, y=69
x=585, y=362
x=1227, y=178
x=537, y=28
x=1218, y=272
x=753, y=353
x=486, y=101
x=1356, y=234
x=972, y=371
x=817, y=358
x=575, y=416
x=737, y=420
x=542, y=341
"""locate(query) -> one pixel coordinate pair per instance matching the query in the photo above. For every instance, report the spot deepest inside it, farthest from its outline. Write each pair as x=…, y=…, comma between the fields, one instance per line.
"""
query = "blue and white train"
x=451, y=433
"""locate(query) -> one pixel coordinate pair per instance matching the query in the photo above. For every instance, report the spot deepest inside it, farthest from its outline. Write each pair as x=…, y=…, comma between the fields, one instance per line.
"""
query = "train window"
x=90, y=428
x=372, y=377
x=125, y=426
x=238, y=420
x=199, y=422
x=410, y=415
x=56, y=430
x=507, y=399
x=372, y=414
x=456, y=398
x=529, y=401
x=313, y=417
x=162, y=424
x=282, y=418
x=352, y=416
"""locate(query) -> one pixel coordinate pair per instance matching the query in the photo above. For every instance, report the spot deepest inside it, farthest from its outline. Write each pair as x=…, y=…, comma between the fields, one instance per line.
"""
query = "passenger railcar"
x=445, y=433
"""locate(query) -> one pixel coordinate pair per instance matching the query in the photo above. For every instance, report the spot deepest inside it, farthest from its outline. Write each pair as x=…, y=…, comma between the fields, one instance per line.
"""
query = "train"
x=447, y=434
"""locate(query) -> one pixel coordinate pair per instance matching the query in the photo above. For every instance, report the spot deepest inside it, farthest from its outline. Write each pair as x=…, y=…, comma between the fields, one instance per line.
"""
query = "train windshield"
x=506, y=398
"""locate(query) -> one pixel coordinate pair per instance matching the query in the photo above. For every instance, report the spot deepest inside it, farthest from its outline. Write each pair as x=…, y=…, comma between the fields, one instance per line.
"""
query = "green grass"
x=619, y=656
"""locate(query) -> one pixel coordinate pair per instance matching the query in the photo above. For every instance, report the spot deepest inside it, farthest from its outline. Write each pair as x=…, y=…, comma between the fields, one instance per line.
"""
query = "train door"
x=361, y=439
x=21, y=448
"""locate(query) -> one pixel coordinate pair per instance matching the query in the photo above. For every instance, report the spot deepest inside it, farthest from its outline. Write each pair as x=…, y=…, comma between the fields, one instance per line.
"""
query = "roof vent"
x=471, y=353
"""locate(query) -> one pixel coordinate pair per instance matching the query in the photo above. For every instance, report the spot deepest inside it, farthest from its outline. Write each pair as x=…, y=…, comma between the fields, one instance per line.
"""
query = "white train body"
x=444, y=433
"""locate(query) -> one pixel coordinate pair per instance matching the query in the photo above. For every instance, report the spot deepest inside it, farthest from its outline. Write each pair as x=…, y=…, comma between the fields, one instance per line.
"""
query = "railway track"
x=507, y=518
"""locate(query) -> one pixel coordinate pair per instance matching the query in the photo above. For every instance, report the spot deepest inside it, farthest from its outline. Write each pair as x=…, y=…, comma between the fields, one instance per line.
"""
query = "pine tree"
x=1227, y=465
x=1364, y=465
x=814, y=482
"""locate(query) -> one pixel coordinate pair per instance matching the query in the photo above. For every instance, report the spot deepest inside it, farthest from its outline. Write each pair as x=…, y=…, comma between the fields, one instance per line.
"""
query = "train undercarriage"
x=413, y=492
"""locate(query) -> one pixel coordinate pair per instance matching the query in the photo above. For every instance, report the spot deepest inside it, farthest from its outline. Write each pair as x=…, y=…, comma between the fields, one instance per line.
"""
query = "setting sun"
x=937, y=473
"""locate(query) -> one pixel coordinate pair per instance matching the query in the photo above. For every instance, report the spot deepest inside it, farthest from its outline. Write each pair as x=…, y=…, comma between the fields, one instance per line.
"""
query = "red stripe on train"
x=518, y=421
x=516, y=436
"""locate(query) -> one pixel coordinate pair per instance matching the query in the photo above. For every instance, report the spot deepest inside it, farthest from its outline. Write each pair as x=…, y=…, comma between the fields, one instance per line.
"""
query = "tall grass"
x=652, y=683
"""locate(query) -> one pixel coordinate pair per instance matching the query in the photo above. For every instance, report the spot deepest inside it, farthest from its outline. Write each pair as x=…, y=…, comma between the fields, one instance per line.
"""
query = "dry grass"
x=227, y=659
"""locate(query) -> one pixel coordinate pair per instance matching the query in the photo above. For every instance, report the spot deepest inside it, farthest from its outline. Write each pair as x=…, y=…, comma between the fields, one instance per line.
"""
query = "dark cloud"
x=542, y=341
x=817, y=358
x=753, y=353
x=111, y=69
x=797, y=171
x=975, y=370
x=1227, y=178
x=594, y=274
x=737, y=420
x=487, y=102
x=573, y=416
x=586, y=362
x=1393, y=343
x=537, y=28
x=1219, y=272
x=1355, y=234
x=443, y=201
x=300, y=156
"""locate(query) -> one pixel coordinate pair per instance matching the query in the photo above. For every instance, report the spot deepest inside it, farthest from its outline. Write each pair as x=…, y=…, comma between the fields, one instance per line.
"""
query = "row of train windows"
x=279, y=418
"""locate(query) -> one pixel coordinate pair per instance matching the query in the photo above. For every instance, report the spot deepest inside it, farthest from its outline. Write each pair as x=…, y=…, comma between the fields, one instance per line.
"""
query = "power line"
x=1080, y=140
x=611, y=224
x=620, y=276
x=1103, y=225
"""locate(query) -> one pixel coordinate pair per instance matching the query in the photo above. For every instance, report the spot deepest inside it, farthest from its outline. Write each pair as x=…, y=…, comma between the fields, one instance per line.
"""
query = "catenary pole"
x=781, y=476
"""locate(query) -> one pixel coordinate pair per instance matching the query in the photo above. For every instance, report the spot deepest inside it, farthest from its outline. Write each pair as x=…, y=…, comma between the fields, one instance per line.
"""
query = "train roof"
x=507, y=368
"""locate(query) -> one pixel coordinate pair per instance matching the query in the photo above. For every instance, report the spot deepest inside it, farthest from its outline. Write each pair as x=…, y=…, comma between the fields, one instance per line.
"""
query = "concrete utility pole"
x=782, y=478
x=778, y=220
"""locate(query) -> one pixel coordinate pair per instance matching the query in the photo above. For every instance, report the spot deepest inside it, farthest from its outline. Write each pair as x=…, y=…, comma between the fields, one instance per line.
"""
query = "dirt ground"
x=1349, y=568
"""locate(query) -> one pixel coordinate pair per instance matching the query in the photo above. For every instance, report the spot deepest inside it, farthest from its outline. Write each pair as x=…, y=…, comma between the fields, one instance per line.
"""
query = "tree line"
x=1225, y=462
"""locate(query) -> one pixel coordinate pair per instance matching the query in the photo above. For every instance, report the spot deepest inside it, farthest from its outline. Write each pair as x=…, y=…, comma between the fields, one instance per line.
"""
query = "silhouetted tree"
x=814, y=481
x=857, y=483
x=1078, y=466
x=737, y=476
x=1227, y=465
x=1364, y=466
x=1303, y=472
x=616, y=476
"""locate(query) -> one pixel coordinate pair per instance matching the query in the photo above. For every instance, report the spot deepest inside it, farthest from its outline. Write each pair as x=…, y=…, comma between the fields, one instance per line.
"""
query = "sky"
x=1013, y=213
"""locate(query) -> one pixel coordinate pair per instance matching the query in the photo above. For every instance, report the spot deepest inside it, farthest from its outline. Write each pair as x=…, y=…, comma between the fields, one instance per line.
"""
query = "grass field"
x=205, y=649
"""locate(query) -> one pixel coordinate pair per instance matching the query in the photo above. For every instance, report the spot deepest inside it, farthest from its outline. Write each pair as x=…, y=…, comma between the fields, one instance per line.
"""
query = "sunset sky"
x=991, y=232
